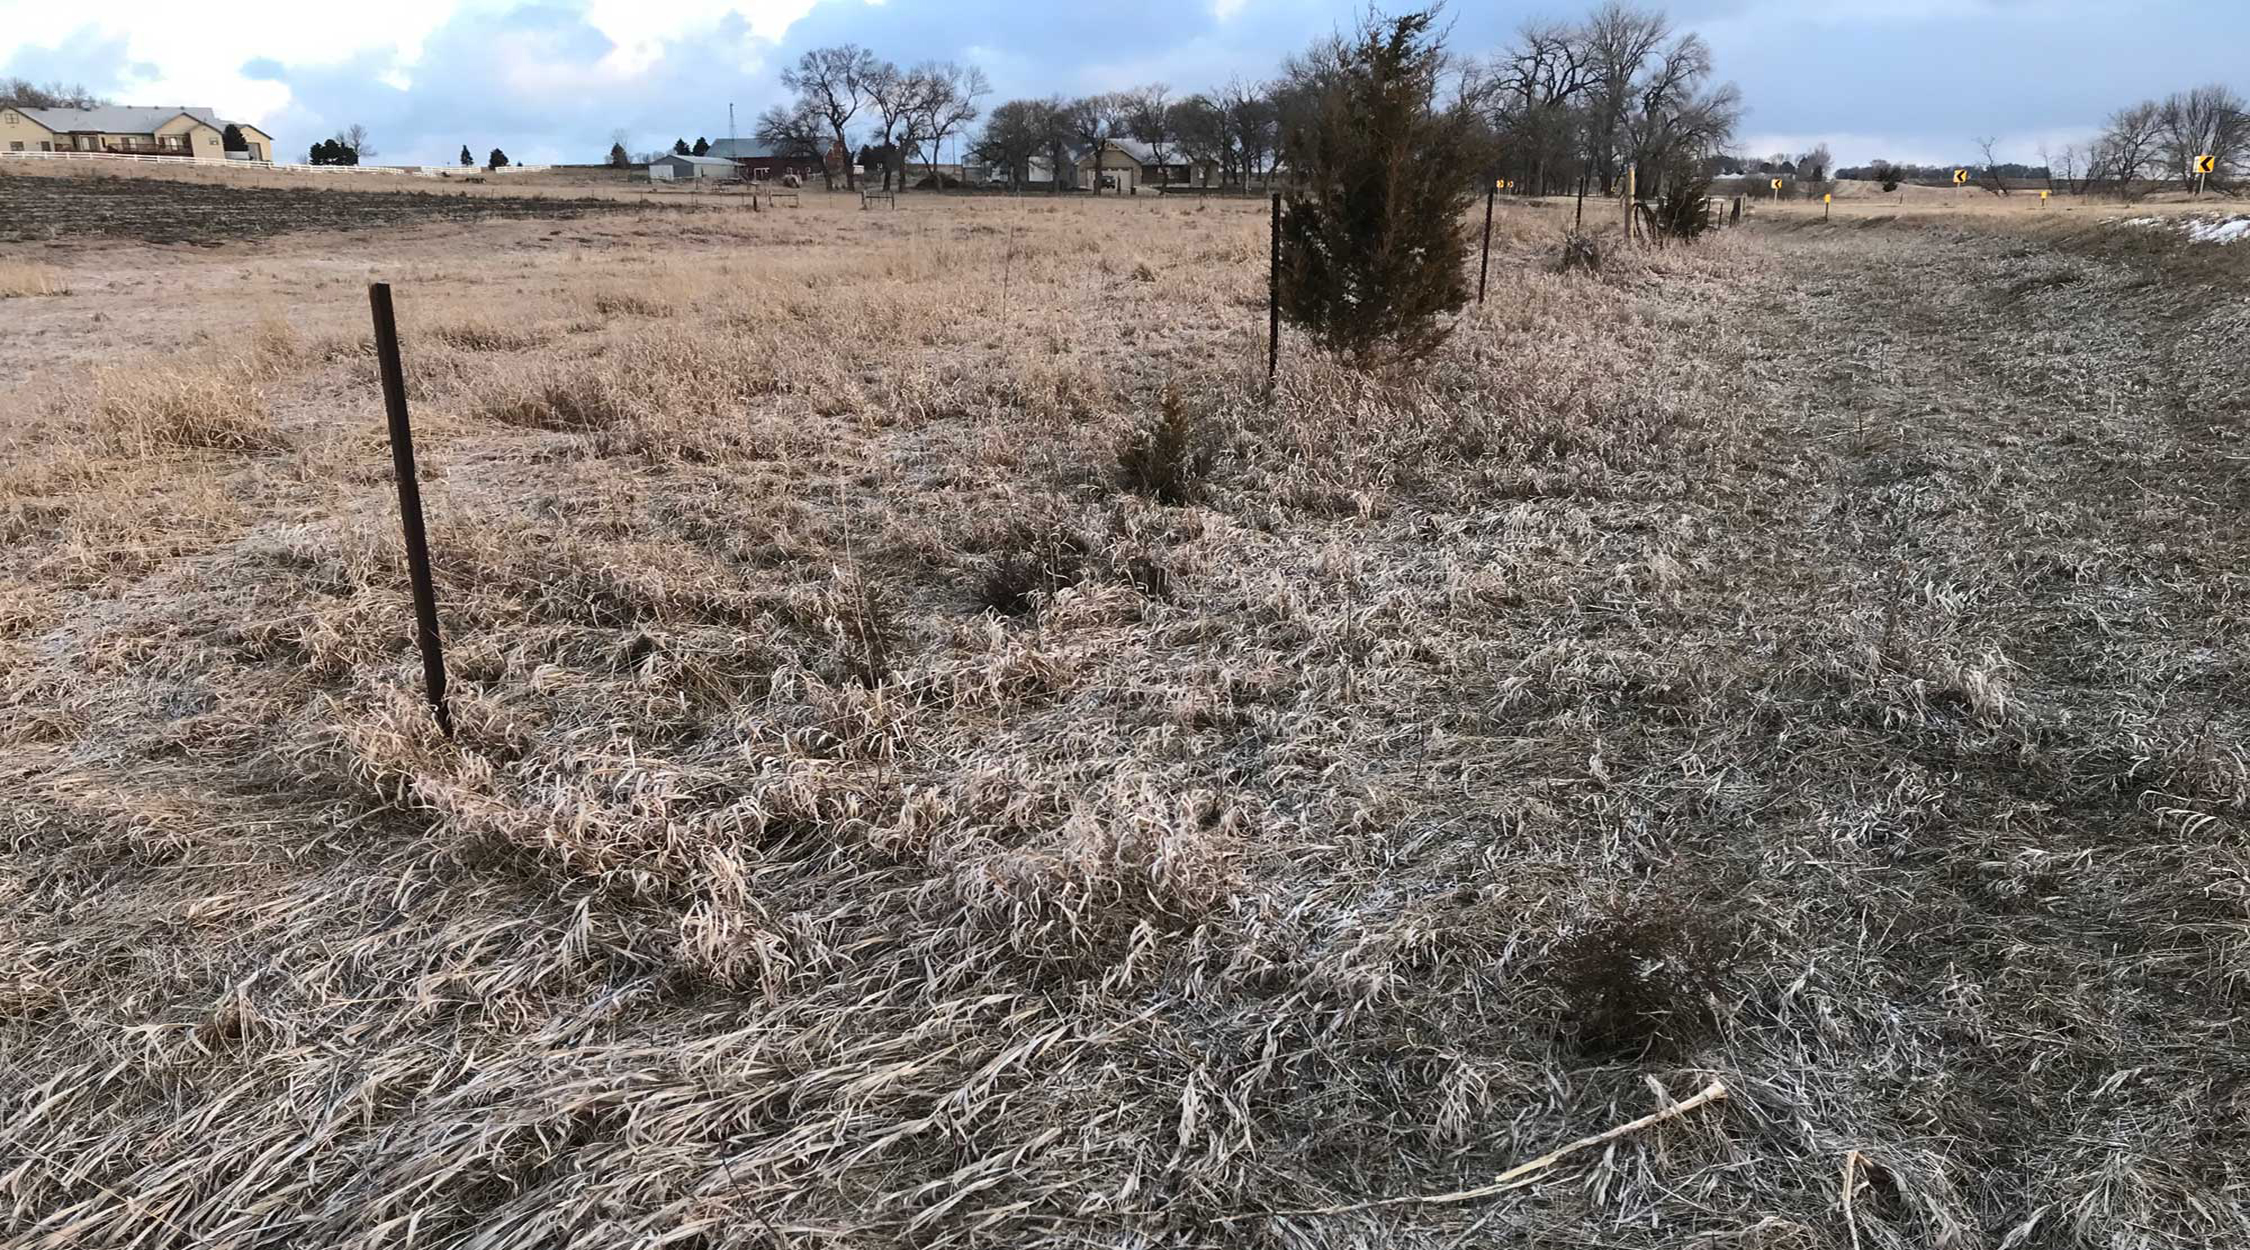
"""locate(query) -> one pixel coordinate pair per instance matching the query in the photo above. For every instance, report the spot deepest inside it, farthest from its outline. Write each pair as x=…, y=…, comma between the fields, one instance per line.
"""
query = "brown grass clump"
x=18, y=279
x=863, y=624
x=1643, y=975
x=628, y=304
x=1035, y=561
x=275, y=346
x=141, y=413
x=1581, y=252
x=479, y=335
x=580, y=401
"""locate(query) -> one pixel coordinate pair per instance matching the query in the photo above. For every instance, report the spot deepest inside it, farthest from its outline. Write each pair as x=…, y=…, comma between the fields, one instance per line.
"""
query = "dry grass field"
x=918, y=785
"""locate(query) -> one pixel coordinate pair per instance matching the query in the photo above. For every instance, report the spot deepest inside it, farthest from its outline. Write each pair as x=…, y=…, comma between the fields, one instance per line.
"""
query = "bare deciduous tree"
x=1015, y=133
x=1676, y=120
x=1529, y=94
x=796, y=130
x=1816, y=165
x=1253, y=125
x=2128, y=147
x=1148, y=119
x=1054, y=116
x=895, y=95
x=2063, y=166
x=1990, y=179
x=24, y=94
x=2207, y=121
x=1199, y=127
x=1094, y=120
x=1620, y=40
x=949, y=104
x=1574, y=103
x=831, y=83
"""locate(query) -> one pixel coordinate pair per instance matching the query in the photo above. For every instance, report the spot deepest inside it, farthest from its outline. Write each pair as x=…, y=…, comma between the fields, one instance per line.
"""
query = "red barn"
x=761, y=162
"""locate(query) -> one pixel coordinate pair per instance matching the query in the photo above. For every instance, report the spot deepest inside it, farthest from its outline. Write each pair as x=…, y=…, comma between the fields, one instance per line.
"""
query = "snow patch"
x=2196, y=229
x=2229, y=231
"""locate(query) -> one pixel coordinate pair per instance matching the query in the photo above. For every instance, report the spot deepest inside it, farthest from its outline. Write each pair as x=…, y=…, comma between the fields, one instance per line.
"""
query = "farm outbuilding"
x=763, y=162
x=673, y=168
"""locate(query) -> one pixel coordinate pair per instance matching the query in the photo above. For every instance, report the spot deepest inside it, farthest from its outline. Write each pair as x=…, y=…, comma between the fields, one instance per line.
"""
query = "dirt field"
x=886, y=812
x=209, y=213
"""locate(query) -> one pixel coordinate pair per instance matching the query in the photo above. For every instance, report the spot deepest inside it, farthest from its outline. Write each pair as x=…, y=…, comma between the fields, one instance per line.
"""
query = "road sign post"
x=2205, y=165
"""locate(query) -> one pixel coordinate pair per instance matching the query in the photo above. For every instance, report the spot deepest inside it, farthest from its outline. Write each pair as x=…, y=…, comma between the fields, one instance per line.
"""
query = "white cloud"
x=195, y=56
x=641, y=28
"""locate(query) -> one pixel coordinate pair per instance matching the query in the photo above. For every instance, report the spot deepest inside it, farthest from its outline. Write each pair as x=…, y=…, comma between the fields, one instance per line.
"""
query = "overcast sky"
x=549, y=81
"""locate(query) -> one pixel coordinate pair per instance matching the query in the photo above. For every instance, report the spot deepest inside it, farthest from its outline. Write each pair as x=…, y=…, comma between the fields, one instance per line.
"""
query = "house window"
x=15, y=147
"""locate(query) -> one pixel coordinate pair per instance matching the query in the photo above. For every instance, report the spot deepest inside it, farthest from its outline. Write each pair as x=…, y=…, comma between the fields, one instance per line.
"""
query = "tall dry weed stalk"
x=142, y=412
x=1037, y=560
x=19, y=279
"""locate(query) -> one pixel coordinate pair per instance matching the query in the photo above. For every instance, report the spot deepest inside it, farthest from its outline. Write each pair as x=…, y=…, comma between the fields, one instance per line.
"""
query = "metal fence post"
x=1273, y=297
x=1484, y=264
x=410, y=504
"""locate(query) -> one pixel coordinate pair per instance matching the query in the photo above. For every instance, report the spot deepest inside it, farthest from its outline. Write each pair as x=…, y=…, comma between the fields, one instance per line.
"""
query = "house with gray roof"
x=127, y=130
x=1124, y=165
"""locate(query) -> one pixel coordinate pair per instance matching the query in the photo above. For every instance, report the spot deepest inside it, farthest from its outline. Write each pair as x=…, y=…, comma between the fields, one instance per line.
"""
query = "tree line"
x=2159, y=141
x=1384, y=135
x=1564, y=106
x=2154, y=142
x=1572, y=104
x=1815, y=165
x=902, y=112
x=1892, y=174
x=23, y=93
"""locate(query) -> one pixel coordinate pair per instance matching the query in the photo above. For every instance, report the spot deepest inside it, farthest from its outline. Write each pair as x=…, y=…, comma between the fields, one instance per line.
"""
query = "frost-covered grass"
x=1813, y=661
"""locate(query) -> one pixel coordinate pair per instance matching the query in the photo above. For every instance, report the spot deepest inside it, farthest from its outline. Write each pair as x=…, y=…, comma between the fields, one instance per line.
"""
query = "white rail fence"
x=198, y=162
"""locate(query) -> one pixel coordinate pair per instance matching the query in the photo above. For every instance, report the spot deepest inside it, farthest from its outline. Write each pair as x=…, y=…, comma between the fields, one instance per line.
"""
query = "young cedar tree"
x=1373, y=247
